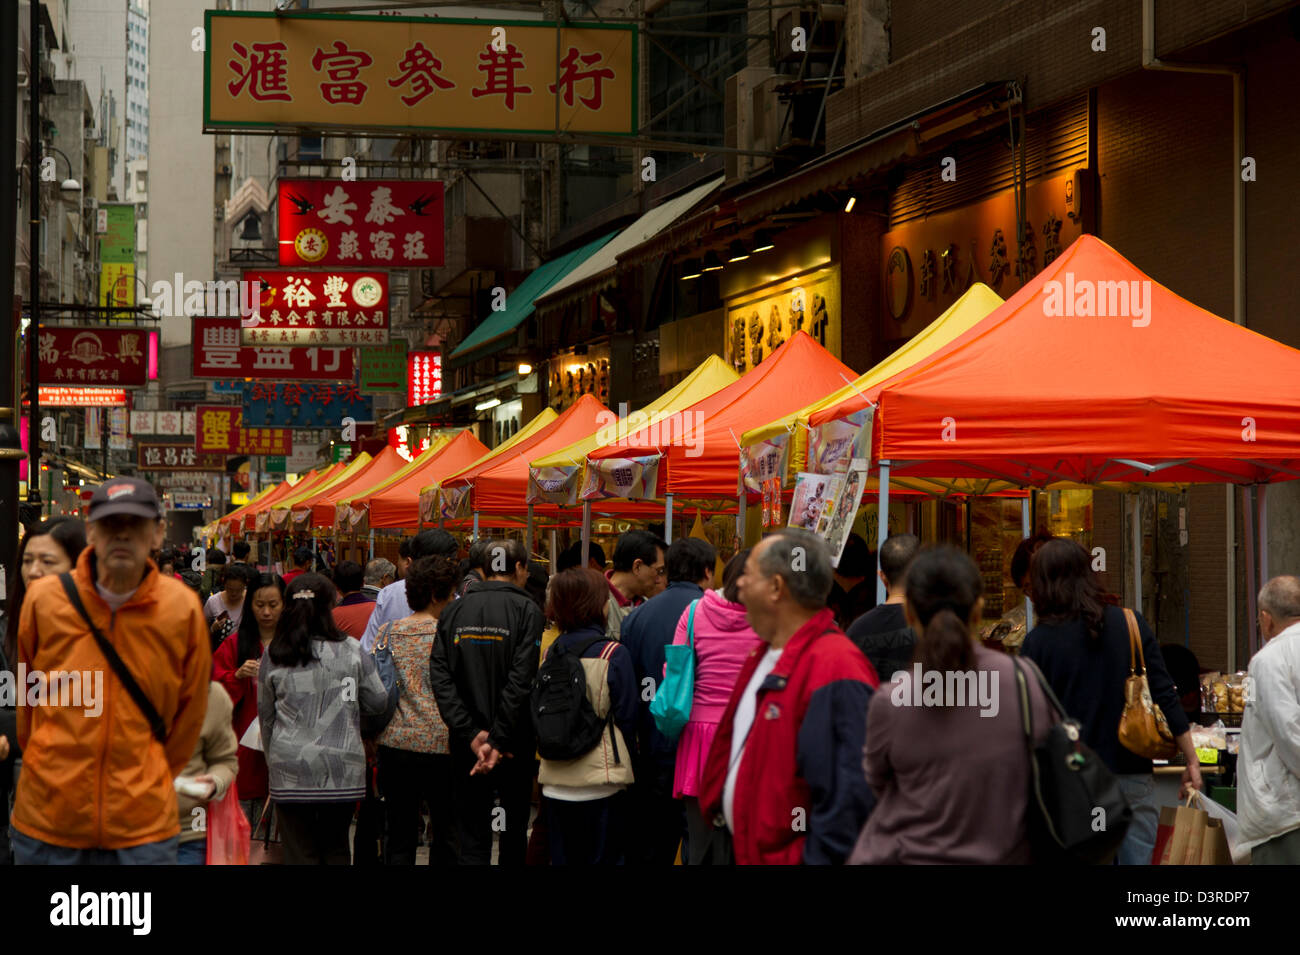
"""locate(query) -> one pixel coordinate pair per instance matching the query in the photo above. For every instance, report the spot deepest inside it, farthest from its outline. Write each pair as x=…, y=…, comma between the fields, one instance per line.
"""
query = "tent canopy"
x=236, y=517
x=1094, y=373
x=500, y=485
x=547, y=416
x=566, y=467
x=704, y=459
x=320, y=509
x=304, y=495
x=257, y=518
x=397, y=504
x=970, y=308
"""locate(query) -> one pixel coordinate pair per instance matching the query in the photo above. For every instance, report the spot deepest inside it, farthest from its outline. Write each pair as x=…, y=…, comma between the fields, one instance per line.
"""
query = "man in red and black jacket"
x=785, y=769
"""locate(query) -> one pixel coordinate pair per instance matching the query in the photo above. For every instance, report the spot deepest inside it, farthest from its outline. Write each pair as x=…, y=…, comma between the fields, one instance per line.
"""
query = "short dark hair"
x=238, y=572
x=303, y=557
x=499, y=550
x=571, y=556
x=577, y=598
x=477, y=555
x=240, y=550
x=895, y=554
x=689, y=559
x=404, y=547
x=429, y=580
x=637, y=545
x=216, y=556
x=433, y=542
x=1024, y=552
x=349, y=576
x=856, y=559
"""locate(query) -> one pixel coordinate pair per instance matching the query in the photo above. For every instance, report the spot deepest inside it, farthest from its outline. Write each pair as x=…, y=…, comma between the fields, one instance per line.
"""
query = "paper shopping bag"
x=1186, y=833
x=1214, y=847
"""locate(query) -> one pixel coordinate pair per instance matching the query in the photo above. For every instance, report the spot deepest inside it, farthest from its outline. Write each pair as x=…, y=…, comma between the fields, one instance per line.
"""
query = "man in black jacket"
x=482, y=668
x=883, y=634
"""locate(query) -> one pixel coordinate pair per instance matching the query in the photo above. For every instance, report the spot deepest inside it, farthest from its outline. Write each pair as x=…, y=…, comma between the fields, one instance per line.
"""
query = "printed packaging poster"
x=841, y=514
x=811, y=494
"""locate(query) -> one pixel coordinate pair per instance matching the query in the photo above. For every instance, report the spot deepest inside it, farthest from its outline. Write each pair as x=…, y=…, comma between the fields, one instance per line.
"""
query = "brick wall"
x=1165, y=180
x=1044, y=40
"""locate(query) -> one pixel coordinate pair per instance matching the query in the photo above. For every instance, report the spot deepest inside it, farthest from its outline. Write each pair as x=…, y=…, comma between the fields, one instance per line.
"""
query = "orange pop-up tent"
x=318, y=513
x=700, y=455
x=397, y=504
x=1094, y=373
x=233, y=522
x=314, y=479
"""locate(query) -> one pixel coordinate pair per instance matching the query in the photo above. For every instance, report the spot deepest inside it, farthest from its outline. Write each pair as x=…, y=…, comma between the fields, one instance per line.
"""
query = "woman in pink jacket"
x=723, y=639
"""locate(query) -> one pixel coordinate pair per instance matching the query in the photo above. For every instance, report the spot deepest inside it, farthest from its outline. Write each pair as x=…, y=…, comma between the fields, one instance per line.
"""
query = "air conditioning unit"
x=738, y=130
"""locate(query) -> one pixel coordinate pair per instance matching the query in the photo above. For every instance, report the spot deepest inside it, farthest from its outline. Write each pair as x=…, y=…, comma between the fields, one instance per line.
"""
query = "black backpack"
x=566, y=723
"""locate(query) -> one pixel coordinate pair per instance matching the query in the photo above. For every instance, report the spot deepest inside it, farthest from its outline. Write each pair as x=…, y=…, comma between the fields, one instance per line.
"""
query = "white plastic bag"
x=1230, y=828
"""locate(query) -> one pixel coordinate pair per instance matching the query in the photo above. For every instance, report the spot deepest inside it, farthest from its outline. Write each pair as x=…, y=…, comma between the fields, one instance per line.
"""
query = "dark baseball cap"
x=125, y=496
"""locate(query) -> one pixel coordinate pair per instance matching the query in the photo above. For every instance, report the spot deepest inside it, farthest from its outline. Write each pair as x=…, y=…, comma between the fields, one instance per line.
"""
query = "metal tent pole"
x=882, y=525
x=1136, y=533
x=586, y=532
x=475, y=525
x=668, y=518
x=555, y=550
x=1252, y=619
x=528, y=532
x=1024, y=532
x=372, y=543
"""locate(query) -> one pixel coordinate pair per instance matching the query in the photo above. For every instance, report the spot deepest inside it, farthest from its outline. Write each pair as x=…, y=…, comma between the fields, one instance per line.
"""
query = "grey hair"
x=1280, y=598
x=378, y=569
x=802, y=559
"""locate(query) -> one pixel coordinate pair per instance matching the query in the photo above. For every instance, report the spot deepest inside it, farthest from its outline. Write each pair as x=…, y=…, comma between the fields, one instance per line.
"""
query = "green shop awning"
x=495, y=331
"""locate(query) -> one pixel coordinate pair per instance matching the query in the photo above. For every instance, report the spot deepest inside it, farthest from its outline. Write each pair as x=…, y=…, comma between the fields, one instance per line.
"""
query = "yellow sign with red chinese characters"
x=268, y=70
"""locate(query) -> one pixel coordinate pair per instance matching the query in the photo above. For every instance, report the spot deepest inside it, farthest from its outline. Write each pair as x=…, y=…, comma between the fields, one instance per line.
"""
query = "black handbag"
x=373, y=726
x=1077, y=813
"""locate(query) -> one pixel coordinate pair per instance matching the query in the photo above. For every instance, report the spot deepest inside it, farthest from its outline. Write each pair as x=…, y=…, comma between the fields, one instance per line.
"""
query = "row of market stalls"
x=1090, y=375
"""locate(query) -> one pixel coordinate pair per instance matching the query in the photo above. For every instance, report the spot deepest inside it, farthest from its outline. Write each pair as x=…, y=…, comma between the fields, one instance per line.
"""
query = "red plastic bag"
x=229, y=834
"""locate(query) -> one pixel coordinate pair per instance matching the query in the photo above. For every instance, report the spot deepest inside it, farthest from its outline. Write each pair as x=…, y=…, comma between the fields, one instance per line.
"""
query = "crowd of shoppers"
x=811, y=737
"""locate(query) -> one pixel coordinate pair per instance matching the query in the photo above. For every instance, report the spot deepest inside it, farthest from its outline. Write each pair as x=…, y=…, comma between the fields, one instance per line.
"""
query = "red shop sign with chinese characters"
x=423, y=377
x=217, y=353
x=56, y=397
x=113, y=357
x=332, y=309
x=176, y=457
x=221, y=431
x=379, y=223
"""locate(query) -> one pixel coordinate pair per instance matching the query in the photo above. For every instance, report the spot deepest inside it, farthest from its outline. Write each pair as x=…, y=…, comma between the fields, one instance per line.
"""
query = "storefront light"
x=763, y=241
x=712, y=263
x=738, y=252
x=485, y=405
x=690, y=269
x=525, y=368
x=851, y=203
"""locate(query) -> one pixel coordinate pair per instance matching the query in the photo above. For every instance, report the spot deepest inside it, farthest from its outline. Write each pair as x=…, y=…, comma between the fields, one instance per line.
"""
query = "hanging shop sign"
x=143, y=422
x=218, y=354
x=176, y=457
x=929, y=262
x=221, y=430
x=93, y=355
x=288, y=405
x=55, y=397
x=270, y=71
x=383, y=368
x=318, y=308
x=173, y=422
x=185, y=501
x=361, y=223
x=116, y=254
x=423, y=377
x=759, y=322
x=117, y=285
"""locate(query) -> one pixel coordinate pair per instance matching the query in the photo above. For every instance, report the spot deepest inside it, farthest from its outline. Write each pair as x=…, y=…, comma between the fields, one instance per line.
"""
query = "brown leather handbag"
x=1143, y=728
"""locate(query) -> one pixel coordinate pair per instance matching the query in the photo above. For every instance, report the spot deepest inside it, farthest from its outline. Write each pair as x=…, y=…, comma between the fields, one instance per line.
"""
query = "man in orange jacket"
x=114, y=665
